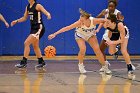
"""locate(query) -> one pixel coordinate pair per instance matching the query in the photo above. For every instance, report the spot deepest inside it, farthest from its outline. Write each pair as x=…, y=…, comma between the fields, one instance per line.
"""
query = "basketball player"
x=121, y=37
x=34, y=10
x=3, y=20
x=111, y=9
x=85, y=28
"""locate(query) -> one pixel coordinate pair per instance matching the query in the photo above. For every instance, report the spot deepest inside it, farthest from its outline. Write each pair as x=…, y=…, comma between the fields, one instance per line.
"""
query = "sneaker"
x=23, y=64
x=133, y=67
x=42, y=65
x=115, y=56
x=106, y=70
x=131, y=75
x=82, y=68
x=102, y=69
x=118, y=47
x=130, y=68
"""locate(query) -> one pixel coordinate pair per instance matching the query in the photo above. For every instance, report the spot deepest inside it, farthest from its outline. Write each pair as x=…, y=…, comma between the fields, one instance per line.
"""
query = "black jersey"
x=116, y=32
x=37, y=27
x=35, y=16
x=116, y=28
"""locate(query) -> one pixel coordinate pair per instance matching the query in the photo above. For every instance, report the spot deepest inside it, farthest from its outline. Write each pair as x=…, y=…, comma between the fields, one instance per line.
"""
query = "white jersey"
x=86, y=32
x=115, y=12
x=105, y=36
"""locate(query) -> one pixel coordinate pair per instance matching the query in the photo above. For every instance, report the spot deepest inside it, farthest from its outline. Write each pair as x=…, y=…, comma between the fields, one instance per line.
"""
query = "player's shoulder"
x=104, y=10
x=117, y=11
x=38, y=4
x=120, y=23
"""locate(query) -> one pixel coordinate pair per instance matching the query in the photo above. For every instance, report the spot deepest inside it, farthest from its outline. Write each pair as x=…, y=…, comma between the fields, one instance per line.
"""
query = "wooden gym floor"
x=62, y=76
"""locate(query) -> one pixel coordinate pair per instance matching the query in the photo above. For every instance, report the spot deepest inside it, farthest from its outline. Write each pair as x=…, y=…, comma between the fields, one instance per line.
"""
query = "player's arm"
x=98, y=20
x=102, y=14
x=3, y=20
x=64, y=29
x=22, y=19
x=42, y=9
x=99, y=27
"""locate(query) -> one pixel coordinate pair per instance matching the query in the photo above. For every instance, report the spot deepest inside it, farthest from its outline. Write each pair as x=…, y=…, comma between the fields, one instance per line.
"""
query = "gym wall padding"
x=64, y=12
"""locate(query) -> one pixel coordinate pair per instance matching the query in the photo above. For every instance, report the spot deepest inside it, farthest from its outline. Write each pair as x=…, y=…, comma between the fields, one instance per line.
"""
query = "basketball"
x=50, y=51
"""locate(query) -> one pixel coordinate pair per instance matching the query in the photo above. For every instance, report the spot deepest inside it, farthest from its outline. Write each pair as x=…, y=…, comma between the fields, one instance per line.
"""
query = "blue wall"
x=64, y=12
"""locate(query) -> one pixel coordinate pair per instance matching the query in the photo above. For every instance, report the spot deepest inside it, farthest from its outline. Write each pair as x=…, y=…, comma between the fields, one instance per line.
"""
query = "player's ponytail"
x=84, y=13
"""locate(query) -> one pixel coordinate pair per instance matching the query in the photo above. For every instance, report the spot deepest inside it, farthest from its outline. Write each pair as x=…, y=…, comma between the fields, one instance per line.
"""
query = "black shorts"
x=37, y=30
x=115, y=36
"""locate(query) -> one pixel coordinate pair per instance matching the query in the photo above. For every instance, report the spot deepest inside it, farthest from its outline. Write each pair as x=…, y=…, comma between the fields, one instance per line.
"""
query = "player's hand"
x=109, y=42
x=49, y=17
x=96, y=31
x=14, y=22
x=105, y=25
x=51, y=36
x=6, y=24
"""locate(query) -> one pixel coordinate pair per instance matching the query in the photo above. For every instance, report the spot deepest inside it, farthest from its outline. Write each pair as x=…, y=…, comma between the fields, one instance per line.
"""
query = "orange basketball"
x=50, y=51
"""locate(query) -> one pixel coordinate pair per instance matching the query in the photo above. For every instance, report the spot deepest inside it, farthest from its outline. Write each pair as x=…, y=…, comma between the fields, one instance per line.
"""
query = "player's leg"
x=41, y=62
x=27, y=44
x=96, y=49
x=103, y=46
x=116, y=36
x=38, y=36
x=81, y=54
x=112, y=49
x=126, y=56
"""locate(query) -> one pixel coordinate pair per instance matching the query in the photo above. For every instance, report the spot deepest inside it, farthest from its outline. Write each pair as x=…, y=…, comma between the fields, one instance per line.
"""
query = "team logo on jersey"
x=88, y=30
x=31, y=13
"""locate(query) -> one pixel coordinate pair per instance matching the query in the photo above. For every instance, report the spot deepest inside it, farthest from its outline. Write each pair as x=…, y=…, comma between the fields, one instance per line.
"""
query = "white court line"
x=72, y=72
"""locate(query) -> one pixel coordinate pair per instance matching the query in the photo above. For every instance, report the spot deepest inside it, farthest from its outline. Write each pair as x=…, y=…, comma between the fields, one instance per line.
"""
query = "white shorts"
x=85, y=37
x=105, y=36
x=127, y=32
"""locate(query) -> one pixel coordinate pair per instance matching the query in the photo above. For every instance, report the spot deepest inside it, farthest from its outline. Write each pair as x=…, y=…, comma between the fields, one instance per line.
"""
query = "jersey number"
x=31, y=17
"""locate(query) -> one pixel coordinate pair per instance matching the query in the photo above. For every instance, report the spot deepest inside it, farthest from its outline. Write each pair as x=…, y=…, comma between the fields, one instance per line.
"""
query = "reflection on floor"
x=63, y=77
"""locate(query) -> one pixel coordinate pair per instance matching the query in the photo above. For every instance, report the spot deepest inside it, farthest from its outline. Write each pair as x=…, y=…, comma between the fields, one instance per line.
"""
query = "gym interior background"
x=64, y=12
